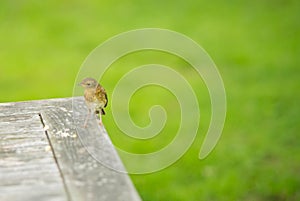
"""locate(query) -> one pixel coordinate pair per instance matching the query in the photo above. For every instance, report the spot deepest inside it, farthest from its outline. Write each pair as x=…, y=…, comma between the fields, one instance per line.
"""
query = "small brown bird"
x=95, y=98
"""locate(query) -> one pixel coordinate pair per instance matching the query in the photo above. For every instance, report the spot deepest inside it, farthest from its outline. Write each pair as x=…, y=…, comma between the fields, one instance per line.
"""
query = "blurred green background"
x=255, y=45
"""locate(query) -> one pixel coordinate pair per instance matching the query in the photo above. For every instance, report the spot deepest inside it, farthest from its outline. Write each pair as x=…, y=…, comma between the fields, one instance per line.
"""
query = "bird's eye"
x=88, y=84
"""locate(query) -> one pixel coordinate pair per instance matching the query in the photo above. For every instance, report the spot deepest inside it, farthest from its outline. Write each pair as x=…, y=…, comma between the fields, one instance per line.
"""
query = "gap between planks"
x=55, y=159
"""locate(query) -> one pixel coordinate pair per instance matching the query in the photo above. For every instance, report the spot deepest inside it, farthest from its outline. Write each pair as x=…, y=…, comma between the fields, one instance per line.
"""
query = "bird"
x=95, y=98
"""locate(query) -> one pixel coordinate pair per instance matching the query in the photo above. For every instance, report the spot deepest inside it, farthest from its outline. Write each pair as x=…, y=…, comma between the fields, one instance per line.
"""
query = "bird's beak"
x=79, y=84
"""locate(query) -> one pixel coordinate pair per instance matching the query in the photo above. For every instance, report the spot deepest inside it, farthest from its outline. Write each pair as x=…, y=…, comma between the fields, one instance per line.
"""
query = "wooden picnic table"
x=43, y=158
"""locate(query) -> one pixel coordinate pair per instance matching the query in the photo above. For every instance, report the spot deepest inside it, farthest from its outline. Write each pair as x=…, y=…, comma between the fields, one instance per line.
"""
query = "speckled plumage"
x=95, y=97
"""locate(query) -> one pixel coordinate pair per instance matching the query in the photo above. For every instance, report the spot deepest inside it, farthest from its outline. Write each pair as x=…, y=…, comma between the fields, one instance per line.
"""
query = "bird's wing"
x=106, y=99
x=101, y=95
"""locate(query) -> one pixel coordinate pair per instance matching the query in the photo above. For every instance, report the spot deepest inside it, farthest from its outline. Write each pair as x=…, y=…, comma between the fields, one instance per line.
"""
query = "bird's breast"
x=89, y=96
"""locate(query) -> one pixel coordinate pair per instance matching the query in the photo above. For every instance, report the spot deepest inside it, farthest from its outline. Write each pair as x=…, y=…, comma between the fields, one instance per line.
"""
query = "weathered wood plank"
x=85, y=177
x=55, y=165
x=27, y=167
x=32, y=107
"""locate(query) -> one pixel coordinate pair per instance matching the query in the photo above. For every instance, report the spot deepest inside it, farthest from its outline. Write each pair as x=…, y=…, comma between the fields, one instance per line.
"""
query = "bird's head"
x=88, y=83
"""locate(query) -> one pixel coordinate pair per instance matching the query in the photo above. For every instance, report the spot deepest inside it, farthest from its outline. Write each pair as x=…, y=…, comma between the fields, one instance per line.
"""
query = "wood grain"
x=27, y=169
x=46, y=154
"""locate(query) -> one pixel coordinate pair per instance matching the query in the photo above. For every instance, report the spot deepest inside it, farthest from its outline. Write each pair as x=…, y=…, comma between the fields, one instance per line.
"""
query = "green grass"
x=255, y=45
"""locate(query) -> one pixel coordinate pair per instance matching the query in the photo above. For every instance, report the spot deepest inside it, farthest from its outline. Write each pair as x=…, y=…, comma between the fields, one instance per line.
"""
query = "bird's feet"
x=85, y=126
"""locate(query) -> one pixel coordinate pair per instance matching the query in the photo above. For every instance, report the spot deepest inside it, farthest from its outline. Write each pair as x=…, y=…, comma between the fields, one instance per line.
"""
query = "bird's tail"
x=100, y=111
